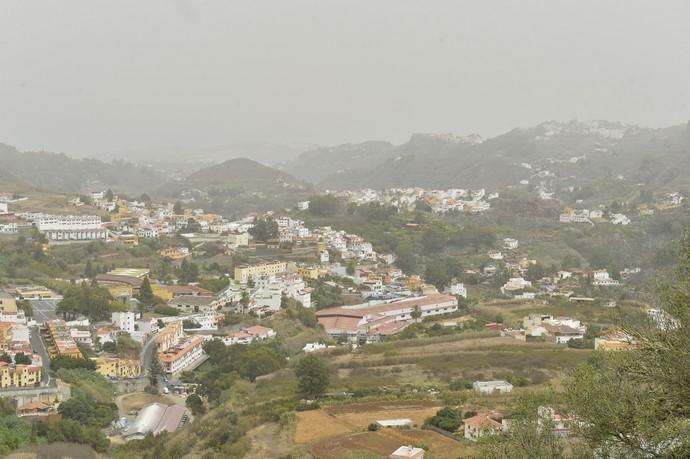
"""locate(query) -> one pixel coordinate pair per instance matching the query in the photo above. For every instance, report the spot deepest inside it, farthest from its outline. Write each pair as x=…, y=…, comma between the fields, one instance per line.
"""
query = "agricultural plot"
x=340, y=431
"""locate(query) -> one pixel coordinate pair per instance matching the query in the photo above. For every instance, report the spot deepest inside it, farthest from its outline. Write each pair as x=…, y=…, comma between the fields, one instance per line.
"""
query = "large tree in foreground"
x=627, y=404
x=637, y=403
x=312, y=376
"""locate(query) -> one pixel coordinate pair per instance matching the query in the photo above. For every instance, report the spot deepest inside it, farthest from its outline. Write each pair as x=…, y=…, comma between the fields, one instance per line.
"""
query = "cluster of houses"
x=440, y=201
x=545, y=327
x=589, y=216
x=19, y=367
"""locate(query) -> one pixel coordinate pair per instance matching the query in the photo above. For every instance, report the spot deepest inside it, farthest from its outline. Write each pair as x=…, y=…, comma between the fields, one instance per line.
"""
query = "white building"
x=492, y=387
x=125, y=321
x=458, y=289
x=324, y=257
x=510, y=243
x=303, y=205
x=516, y=283
x=71, y=227
x=184, y=354
x=313, y=347
x=602, y=277
x=619, y=219
x=495, y=255
x=238, y=239
x=3, y=208
x=81, y=336
x=9, y=228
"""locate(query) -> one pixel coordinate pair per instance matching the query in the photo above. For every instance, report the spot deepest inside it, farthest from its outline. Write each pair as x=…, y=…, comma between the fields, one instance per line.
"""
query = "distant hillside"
x=239, y=185
x=9, y=182
x=573, y=153
x=59, y=173
x=179, y=161
x=241, y=173
x=316, y=166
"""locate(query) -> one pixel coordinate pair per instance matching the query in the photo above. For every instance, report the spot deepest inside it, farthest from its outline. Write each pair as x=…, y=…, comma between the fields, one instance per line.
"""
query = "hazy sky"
x=90, y=76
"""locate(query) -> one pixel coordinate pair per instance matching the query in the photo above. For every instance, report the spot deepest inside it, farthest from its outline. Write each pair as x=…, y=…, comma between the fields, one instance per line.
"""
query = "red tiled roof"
x=482, y=420
x=349, y=324
x=34, y=405
x=381, y=308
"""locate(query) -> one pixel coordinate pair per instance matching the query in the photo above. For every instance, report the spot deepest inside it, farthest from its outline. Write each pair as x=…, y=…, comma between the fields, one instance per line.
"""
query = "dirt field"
x=384, y=442
x=138, y=400
x=340, y=431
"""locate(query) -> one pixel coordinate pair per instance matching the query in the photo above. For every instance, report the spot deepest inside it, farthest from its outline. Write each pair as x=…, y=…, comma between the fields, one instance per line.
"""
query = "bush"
x=373, y=427
x=165, y=310
x=446, y=418
x=459, y=384
x=71, y=363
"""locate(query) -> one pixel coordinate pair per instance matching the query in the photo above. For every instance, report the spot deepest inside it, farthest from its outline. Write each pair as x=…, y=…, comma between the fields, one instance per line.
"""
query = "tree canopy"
x=313, y=376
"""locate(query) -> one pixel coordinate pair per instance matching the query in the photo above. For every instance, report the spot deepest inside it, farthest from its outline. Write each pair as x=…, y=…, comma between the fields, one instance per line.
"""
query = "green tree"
x=188, y=272
x=177, y=208
x=6, y=407
x=244, y=301
x=88, y=270
x=650, y=414
x=155, y=369
x=323, y=205
x=146, y=292
x=416, y=313
x=264, y=229
x=22, y=359
x=527, y=437
x=195, y=404
x=313, y=376
x=446, y=418
x=5, y=357
x=127, y=348
x=109, y=196
x=437, y=273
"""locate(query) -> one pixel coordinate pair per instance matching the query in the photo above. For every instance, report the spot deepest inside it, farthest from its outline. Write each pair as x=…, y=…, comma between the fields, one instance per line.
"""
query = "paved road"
x=44, y=309
x=39, y=348
x=147, y=353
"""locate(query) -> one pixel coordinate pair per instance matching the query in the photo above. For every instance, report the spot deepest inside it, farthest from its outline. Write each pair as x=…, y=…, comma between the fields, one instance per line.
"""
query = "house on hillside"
x=487, y=423
x=492, y=387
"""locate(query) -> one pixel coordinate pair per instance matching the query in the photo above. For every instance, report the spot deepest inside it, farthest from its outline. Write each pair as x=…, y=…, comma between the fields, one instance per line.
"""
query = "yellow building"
x=33, y=292
x=245, y=272
x=129, y=240
x=19, y=375
x=309, y=272
x=169, y=336
x=415, y=283
x=118, y=368
x=8, y=305
x=429, y=289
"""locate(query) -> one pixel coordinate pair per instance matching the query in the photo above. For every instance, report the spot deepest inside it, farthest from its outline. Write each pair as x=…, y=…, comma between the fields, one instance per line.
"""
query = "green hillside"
x=55, y=172
x=562, y=154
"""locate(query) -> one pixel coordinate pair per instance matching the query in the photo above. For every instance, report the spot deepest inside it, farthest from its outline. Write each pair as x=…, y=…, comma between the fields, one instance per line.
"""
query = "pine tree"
x=145, y=292
x=88, y=270
x=155, y=369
